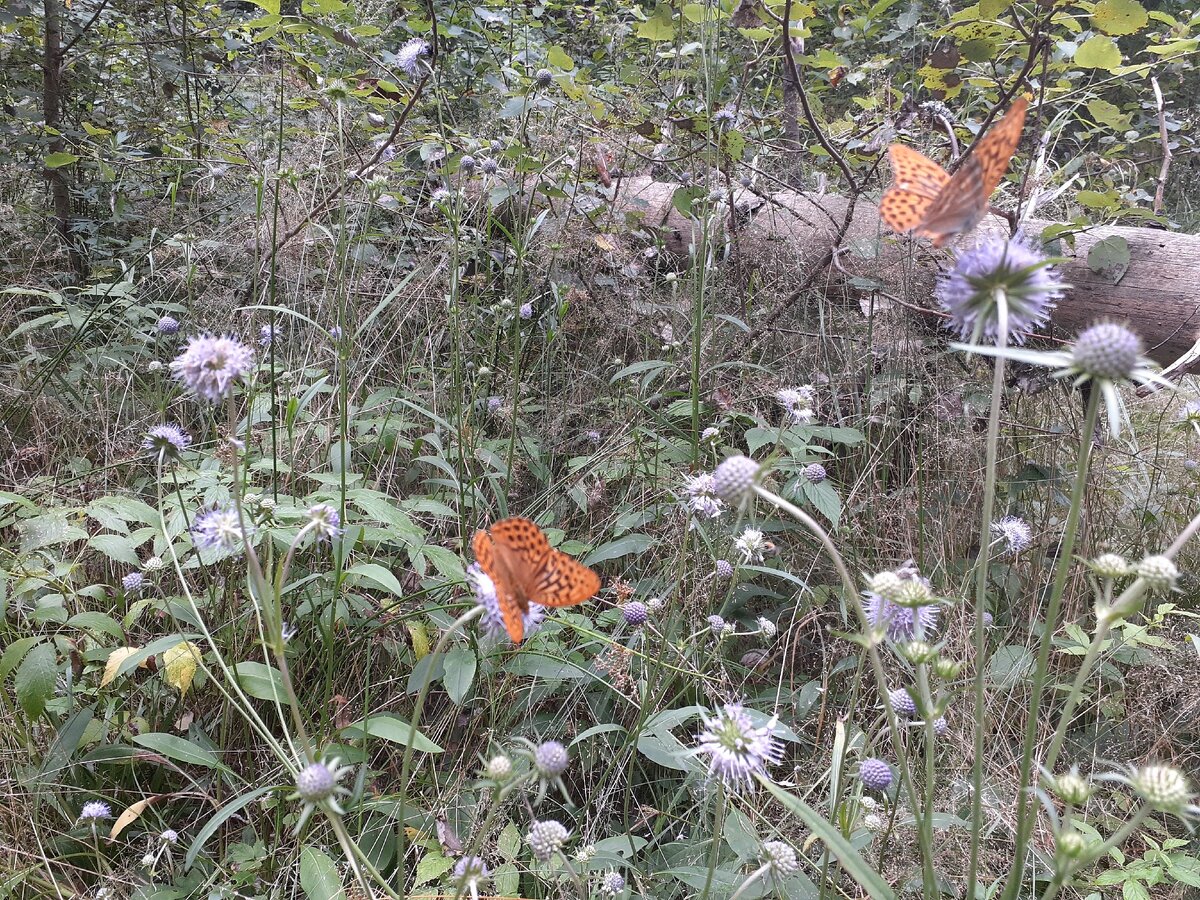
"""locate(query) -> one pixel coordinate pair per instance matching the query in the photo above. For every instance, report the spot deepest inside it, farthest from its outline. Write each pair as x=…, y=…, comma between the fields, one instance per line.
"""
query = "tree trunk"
x=1159, y=293
x=52, y=102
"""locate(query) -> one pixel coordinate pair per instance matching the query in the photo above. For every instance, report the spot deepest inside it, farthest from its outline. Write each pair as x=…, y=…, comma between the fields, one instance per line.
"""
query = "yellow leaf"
x=1098, y=52
x=115, y=659
x=180, y=664
x=419, y=635
x=1120, y=16
x=604, y=243
x=130, y=815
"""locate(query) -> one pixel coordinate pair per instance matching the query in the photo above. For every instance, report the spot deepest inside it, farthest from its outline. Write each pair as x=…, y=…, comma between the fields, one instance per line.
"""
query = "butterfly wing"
x=964, y=201
x=917, y=181
x=565, y=581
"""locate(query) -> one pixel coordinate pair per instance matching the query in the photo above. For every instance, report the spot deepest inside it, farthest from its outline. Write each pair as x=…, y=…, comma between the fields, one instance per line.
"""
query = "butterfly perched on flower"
x=516, y=555
x=924, y=198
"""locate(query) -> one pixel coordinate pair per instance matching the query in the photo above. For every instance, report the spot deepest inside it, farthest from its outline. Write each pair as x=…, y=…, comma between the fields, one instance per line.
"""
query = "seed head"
x=1163, y=787
x=551, y=760
x=499, y=768
x=546, y=838
x=1107, y=351
x=1159, y=573
x=1110, y=565
x=734, y=479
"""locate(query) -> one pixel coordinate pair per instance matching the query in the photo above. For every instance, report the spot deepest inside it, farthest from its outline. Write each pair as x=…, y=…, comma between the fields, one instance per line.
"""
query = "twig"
x=1166, y=147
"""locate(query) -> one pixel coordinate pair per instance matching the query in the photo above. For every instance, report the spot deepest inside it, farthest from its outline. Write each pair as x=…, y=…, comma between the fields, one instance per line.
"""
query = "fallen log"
x=1159, y=292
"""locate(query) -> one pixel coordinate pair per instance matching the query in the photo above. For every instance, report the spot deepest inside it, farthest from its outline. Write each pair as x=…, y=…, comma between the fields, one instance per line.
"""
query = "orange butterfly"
x=525, y=569
x=924, y=198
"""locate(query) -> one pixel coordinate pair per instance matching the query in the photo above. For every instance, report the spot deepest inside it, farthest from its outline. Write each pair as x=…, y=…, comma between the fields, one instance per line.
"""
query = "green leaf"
x=319, y=876
x=868, y=879
x=629, y=545
x=1135, y=890
x=116, y=547
x=35, y=678
x=66, y=742
x=1108, y=114
x=459, y=672
x=740, y=835
x=377, y=575
x=260, y=681
x=96, y=623
x=1098, y=52
x=1109, y=258
x=179, y=749
x=431, y=867
x=557, y=56
x=211, y=826
x=389, y=728
x=659, y=27
x=321, y=8
x=1009, y=666
x=508, y=845
x=15, y=652
x=506, y=880
x=271, y=6
x=58, y=160
x=1120, y=16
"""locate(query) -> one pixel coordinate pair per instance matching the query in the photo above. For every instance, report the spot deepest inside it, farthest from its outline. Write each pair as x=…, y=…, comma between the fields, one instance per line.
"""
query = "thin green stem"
x=753, y=877
x=715, y=849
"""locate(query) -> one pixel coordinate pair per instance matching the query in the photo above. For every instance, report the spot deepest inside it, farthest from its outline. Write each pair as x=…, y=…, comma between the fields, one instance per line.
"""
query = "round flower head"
x=724, y=569
x=814, y=473
x=492, y=621
x=494, y=403
x=717, y=625
x=902, y=703
x=734, y=479
x=940, y=725
x=526, y=311
x=317, y=788
x=781, y=858
x=1070, y=844
x=166, y=441
x=336, y=333
x=635, y=613
x=167, y=325
x=324, y=521
x=409, y=56
x=1159, y=573
x=466, y=164
x=875, y=774
x=267, y=335
x=612, y=883
x=767, y=628
x=209, y=366
x=1107, y=351
x=899, y=622
x=219, y=529
x=874, y=823
x=133, y=582
x=1163, y=787
x=550, y=759
x=724, y=118
x=753, y=545
x=593, y=437
x=702, y=501
x=710, y=435
x=1014, y=533
x=95, y=811
x=1110, y=565
x=498, y=768
x=999, y=266
x=153, y=564
x=489, y=166
x=170, y=836
x=469, y=873
x=737, y=749
x=543, y=78
x=1071, y=787
x=546, y=838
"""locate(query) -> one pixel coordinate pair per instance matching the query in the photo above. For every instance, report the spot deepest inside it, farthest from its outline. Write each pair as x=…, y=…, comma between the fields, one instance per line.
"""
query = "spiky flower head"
x=466, y=164
x=526, y=311
x=1107, y=351
x=798, y=404
x=489, y=166
x=724, y=118
x=1163, y=787
x=655, y=605
x=546, y=838
x=702, y=501
x=875, y=774
x=902, y=703
x=153, y=564
x=170, y=836
x=1070, y=844
x=918, y=652
x=550, y=759
x=133, y=582
x=498, y=768
x=635, y=613
x=494, y=403
x=737, y=749
x=1110, y=565
x=469, y=873
x=1159, y=573
x=997, y=266
x=612, y=883
x=220, y=529
x=875, y=823
x=1014, y=533
x=753, y=545
x=717, y=625
x=166, y=441
x=767, y=628
x=492, y=620
x=780, y=858
x=317, y=788
x=95, y=811
x=814, y=473
x=210, y=366
x=900, y=623
x=724, y=569
x=1071, y=787
x=946, y=668
x=268, y=334
x=324, y=521
x=167, y=325
x=543, y=78
x=409, y=56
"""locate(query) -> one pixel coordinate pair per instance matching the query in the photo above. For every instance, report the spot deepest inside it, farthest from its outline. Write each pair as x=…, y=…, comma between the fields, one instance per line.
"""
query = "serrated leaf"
x=1009, y=666
x=116, y=547
x=1109, y=258
x=459, y=673
x=319, y=875
x=659, y=27
x=431, y=867
x=113, y=664
x=34, y=681
x=508, y=845
x=1119, y=17
x=179, y=665
x=1098, y=52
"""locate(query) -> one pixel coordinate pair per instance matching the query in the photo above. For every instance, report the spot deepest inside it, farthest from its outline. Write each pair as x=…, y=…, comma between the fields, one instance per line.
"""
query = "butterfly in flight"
x=926, y=199
x=525, y=569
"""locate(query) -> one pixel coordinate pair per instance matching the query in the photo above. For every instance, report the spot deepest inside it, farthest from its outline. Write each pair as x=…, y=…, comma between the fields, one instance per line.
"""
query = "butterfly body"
x=926, y=200
x=516, y=555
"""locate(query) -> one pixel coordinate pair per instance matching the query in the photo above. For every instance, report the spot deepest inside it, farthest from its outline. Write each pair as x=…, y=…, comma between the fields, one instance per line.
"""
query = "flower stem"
x=714, y=850
x=753, y=877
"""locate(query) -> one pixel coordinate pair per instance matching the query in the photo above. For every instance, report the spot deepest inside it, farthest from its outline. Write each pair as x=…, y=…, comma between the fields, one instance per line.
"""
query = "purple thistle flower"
x=219, y=529
x=167, y=441
x=95, y=811
x=492, y=620
x=1013, y=532
x=133, y=582
x=546, y=837
x=409, y=56
x=469, y=873
x=167, y=325
x=701, y=500
x=875, y=774
x=996, y=264
x=737, y=749
x=902, y=702
x=268, y=334
x=336, y=332
x=526, y=311
x=899, y=621
x=612, y=883
x=635, y=613
x=209, y=366
x=494, y=403
x=814, y=472
x=724, y=569
x=550, y=759
x=325, y=521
